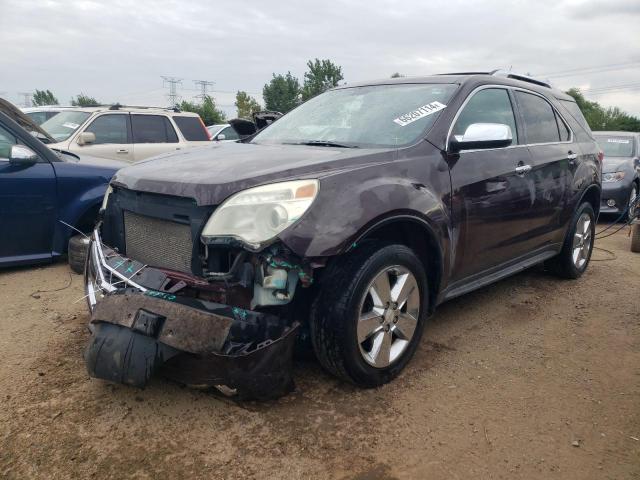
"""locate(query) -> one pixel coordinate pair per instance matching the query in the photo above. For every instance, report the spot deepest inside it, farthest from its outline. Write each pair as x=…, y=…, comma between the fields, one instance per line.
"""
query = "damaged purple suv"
x=338, y=228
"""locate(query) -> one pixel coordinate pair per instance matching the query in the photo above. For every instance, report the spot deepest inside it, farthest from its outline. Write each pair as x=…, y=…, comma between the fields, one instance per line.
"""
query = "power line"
x=172, y=83
x=203, y=84
x=594, y=69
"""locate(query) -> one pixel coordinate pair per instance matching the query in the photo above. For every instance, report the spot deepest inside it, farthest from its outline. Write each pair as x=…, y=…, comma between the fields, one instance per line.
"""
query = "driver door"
x=492, y=201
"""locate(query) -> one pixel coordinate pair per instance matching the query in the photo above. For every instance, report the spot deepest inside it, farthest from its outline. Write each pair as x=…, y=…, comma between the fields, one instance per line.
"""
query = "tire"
x=345, y=292
x=631, y=214
x=77, y=253
x=564, y=264
x=635, y=238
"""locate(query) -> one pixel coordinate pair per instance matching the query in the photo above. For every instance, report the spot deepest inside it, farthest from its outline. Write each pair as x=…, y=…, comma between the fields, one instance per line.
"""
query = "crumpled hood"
x=616, y=164
x=212, y=173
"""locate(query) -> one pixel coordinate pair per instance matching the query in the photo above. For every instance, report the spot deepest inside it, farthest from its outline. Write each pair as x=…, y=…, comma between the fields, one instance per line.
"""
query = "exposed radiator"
x=158, y=243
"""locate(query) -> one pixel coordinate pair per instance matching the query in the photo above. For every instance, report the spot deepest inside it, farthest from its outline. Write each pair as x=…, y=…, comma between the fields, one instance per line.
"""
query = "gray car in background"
x=620, y=172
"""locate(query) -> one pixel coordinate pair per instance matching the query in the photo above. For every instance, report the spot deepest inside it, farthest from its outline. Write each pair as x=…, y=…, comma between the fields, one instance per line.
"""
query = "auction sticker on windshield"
x=617, y=140
x=70, y=125
x=420, y=112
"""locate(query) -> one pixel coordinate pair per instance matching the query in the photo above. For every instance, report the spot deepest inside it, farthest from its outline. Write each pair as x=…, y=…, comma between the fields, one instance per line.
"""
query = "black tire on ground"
x=77, y=253
x=631, y=214
x=635, y=238
x=336, y=311
x=563, y=264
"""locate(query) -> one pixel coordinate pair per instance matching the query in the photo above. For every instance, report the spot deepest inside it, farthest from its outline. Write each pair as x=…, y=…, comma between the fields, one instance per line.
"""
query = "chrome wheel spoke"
x=381, y=351
x=403, y=289
x=369, y=323
x=406, y=326
x=380, y=290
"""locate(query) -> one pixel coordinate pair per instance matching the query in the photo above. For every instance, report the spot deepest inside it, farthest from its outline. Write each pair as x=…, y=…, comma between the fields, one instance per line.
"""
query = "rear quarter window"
x=575, y=112
x=192, y=129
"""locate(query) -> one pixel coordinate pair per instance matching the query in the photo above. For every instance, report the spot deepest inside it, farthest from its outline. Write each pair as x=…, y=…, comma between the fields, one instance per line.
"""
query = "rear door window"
x=539, y=118
x=490, y=105
x=192, y=128
x=152, y=129
x=110, y=128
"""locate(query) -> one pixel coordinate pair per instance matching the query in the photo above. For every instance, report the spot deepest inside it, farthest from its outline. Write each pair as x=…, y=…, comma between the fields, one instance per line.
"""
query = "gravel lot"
x=533, y=377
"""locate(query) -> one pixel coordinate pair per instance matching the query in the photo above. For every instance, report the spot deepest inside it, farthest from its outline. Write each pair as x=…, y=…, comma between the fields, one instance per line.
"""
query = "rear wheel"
x=573, y=259
x=633, y=203
x=635, y=238
x=368, y=317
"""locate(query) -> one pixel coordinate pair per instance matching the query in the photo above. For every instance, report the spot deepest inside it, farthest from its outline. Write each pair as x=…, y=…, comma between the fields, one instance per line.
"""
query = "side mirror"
x=86, y=137
x=221, y=136
x=482, y=135
x=21, y=155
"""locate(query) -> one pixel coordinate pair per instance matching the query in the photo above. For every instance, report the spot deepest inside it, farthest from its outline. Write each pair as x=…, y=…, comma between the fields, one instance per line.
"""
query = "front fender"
x=71, y=210
x=350, y=202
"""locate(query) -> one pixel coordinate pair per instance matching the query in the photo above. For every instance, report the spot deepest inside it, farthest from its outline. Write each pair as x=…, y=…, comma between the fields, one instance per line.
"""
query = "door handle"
x=122, y=150
x=522, y=169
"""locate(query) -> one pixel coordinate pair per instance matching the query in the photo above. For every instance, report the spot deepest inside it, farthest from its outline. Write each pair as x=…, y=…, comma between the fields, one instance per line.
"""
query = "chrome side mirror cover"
x=22, y=155
x=481, y=136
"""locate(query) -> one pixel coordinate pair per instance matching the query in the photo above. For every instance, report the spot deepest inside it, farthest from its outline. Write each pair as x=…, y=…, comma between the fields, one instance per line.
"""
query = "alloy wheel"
x=389, y=316
x=582, y=239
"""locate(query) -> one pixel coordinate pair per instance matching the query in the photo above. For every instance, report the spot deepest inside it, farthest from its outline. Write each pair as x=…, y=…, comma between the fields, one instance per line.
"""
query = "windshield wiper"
x=325, y=143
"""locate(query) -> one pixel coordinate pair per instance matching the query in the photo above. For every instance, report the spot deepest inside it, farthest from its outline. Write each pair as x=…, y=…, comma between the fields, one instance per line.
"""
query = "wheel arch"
x=416, y=233
x=591, y=194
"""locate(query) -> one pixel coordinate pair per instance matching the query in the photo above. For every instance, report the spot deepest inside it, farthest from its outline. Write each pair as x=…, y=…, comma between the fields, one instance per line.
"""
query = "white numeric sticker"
x=418, y=113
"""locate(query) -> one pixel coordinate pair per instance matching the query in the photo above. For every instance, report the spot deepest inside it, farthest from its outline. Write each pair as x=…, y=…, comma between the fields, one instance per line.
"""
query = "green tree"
x=246, y=105
x=44, y=97
x=282, y=93
x=83, y=100
x=600, y=118
x=207, y=110
x=322, y=75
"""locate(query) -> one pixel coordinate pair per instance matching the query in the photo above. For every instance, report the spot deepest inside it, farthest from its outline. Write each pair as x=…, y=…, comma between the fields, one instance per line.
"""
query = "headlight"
x=613, y=177
x=105, y=200
x=259, y=214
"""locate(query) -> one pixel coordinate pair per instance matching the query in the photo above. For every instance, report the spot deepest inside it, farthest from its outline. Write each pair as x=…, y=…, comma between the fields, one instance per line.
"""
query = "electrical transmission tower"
x=27, y=98
x=172, y=83
x=203, y=84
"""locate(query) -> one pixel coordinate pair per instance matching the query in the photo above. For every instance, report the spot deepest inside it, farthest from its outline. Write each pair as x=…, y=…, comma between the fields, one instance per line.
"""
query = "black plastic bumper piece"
x=119, y=354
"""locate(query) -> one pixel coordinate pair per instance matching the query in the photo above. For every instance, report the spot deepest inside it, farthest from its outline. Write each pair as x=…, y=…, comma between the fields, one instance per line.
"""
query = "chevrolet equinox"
x=339, y=228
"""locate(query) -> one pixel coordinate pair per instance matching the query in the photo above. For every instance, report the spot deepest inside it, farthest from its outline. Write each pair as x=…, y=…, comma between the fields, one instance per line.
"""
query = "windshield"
x=615, y=146
x=373, y=116
x=64, y=124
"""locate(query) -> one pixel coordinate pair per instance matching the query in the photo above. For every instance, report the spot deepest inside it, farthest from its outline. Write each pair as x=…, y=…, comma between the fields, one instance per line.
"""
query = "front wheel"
x=573, y=259
x=367, y=320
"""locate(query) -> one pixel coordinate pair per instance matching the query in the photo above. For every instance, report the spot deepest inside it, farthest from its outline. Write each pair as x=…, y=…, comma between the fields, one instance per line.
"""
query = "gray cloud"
x=117, y=50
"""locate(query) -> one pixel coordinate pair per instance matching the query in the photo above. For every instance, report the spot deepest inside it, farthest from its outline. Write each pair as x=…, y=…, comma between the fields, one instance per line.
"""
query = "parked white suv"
x=125, y=133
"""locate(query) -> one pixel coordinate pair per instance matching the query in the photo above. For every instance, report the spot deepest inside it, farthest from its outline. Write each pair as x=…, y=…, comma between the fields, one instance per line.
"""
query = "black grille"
x=158, y=243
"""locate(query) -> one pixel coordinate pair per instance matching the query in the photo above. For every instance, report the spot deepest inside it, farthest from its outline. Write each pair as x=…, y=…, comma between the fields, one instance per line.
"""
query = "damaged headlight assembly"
x=257, y=215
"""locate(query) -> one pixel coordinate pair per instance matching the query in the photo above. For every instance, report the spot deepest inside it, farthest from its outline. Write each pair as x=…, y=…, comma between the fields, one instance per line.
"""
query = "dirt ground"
x=532, y=378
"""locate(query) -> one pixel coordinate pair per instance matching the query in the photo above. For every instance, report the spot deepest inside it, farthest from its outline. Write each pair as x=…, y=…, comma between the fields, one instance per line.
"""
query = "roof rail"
x=522, y=78
x=118, y=106
x=467, y=73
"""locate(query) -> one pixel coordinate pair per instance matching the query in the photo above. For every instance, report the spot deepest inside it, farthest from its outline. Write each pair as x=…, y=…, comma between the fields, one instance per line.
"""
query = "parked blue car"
x=40, y=188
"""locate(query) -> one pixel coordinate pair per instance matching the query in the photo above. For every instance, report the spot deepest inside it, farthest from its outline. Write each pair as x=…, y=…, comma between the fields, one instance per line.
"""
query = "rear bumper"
x=139, y=329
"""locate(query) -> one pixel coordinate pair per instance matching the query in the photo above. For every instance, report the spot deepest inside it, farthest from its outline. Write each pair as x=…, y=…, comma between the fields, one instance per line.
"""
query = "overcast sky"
x=117, y=50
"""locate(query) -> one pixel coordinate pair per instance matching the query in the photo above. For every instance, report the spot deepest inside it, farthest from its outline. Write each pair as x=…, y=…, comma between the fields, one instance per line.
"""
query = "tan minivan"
x=125, y=133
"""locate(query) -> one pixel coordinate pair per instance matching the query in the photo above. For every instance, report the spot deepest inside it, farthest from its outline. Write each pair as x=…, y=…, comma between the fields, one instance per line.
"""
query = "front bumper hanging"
x=138, y=329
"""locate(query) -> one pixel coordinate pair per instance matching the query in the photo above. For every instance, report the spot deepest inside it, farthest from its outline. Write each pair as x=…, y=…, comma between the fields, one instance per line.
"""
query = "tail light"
x=600, y=156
